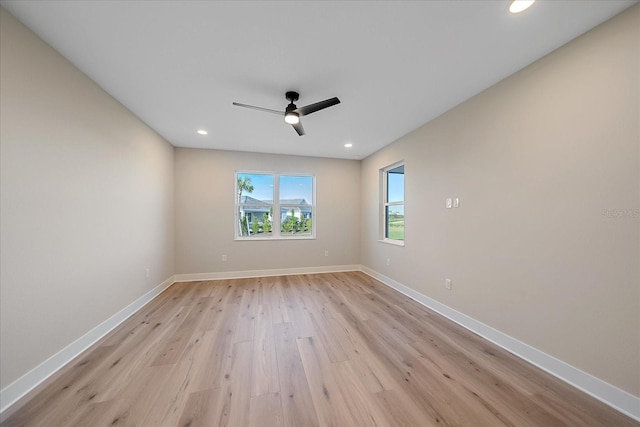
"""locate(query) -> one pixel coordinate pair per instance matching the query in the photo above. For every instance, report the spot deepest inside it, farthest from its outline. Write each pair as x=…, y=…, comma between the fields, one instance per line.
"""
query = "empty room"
x=320, y=213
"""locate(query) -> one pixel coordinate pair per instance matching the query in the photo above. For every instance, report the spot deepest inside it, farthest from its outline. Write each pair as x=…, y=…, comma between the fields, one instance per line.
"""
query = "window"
x=296, y=205
x=272, y=206
x=392, y=190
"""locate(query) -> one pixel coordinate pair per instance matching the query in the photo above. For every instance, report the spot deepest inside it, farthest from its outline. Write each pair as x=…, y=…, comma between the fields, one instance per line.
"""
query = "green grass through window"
x=396, y=229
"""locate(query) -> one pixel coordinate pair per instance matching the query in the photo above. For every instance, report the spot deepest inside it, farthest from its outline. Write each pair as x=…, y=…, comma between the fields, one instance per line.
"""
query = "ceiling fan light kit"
x=292, y=113
x=292, y=118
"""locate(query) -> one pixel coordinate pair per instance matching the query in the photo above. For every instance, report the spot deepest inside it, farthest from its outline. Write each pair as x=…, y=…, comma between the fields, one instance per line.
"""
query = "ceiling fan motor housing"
x=292, y=96
x=290, y=108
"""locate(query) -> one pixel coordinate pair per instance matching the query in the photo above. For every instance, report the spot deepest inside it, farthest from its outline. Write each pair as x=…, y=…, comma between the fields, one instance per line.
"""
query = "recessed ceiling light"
x=348, y=145
x=518, y=6
x=202, y=132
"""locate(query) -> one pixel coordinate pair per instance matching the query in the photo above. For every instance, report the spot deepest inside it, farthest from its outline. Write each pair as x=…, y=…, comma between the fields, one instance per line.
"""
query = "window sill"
x=392, y=242
x=266, y=239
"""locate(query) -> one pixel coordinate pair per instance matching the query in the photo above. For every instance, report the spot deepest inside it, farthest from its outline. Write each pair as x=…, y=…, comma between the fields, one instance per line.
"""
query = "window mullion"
x=276, y=206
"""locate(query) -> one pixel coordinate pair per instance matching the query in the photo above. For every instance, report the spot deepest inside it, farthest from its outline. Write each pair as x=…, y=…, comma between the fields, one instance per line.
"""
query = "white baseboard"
x=618, y=399
x=265, y=273
x=20, y=387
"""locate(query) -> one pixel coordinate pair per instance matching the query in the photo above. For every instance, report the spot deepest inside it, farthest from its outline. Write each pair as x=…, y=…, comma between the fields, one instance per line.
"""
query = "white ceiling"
x=395, y=65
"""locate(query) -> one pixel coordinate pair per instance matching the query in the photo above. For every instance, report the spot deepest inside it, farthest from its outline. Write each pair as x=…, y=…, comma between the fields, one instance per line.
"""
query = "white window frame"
x=384, y=203
x=276, y=224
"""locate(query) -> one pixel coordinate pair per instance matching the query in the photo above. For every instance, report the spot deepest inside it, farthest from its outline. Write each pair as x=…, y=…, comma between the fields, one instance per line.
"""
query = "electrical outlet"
x=456, y=202
x=224, y=258
x=448, y=202
x=147, y=273
x=447, y=283
x=326, y=253
x=388, y=261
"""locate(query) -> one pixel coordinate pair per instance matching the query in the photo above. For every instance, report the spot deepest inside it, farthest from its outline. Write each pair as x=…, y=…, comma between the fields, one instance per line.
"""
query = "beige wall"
x=205, y=221
x=86, y=203
x=545, y=244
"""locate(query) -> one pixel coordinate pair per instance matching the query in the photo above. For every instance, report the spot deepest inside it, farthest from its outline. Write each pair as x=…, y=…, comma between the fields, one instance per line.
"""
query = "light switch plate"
x=448, y=202
x=456, y=202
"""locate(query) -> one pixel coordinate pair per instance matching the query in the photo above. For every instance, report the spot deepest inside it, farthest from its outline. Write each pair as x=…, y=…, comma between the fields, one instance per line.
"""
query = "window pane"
x=395, y=184
x=296, y=221
x=394, y=225
x=254, y=188
x=296, y=190
x=255, y=221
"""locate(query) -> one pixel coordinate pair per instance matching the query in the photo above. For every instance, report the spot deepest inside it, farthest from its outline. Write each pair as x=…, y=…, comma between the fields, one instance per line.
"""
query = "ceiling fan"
x=292, y=113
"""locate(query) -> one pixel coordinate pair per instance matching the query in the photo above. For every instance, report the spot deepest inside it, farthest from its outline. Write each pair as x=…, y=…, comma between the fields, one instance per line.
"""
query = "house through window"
x=272, y=205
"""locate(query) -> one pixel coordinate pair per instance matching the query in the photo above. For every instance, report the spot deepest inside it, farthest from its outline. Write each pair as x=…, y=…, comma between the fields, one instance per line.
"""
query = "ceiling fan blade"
x=312, y=108
x=268, y=110
x=298, y=127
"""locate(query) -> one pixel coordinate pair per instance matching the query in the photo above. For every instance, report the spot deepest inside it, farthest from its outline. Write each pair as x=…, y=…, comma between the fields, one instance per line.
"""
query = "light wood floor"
x=328, y=349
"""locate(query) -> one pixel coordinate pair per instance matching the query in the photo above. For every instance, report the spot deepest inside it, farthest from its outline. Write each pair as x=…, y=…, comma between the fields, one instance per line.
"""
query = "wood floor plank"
x=168, y=407
x=343, y=297
x=360, y=400
x=229, y=404
x=327, y=396
x=218, y=353
x=123, y=366
x=367, y=363
x=203, y=408
x=266, y=411
x=297, y=404
x=171, y=349
x=401, y=410
x=238, y=386
x=278, y=305
x=215, y=312
x=97, y=413
x=293, y=295
x=132, y=406
x=324, y=328
x=245, y=323
x=305, y=350
x=264, y=378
